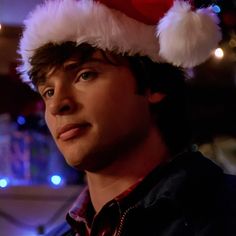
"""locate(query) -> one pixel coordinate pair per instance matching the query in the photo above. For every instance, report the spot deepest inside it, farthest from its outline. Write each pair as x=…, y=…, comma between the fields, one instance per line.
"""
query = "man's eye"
x=48, y=93
x=87, y=75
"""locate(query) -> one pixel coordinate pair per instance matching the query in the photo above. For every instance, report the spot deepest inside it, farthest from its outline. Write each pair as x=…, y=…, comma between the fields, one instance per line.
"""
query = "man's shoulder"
x=191, y=181
x=200, y=178
x=196, y=163
x=199, y=190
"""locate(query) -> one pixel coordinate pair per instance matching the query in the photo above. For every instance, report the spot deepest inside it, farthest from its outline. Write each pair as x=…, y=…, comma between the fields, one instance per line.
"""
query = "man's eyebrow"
x=43, y=77
x=71, y=65
x=40, y=81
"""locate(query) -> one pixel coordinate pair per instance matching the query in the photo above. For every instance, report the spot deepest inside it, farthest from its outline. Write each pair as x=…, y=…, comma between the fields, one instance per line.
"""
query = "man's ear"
x=155, y=97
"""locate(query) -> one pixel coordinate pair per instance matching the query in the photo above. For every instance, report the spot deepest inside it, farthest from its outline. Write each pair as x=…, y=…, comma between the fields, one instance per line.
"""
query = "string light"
x=216, y=9
x=56, y=180
x=3, y=183
x=232, y=43
x=219, y=53
x=21, y=120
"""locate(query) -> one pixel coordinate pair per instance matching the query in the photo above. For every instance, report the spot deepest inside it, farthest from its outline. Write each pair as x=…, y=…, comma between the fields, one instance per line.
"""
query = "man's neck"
x=111, y=181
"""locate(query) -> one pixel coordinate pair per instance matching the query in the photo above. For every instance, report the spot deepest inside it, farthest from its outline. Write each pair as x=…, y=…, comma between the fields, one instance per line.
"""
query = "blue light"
x=3, y=183
x=56, y=179
x=21, y=120
x=216, y=9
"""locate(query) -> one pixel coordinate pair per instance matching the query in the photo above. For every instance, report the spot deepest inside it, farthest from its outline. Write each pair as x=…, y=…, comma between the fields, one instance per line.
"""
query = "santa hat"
x=163, y=30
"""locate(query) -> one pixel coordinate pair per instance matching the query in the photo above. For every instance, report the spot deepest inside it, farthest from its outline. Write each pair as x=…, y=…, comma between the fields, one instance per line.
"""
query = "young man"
x=119, y=114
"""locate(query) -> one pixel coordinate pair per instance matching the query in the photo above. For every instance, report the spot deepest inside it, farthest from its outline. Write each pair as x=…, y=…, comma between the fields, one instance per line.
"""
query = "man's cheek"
x=49, y=124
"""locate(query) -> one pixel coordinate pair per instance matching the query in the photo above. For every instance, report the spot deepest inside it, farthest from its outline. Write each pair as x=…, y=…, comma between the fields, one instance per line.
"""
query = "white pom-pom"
x=187, y=37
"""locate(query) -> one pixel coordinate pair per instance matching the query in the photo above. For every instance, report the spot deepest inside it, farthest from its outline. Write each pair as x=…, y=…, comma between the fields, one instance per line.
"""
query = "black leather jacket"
x=187, y=197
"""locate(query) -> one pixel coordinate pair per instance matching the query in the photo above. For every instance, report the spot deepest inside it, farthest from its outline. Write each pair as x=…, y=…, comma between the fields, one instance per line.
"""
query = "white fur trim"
x=85, y=21
x=187, y=37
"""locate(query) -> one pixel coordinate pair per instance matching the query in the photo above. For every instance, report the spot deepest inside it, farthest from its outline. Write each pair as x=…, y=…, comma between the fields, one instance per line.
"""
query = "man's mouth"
x=71, y=131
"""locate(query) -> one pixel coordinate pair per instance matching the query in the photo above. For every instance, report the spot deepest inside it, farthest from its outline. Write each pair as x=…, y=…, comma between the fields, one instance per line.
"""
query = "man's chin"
x=90, y=163
x=74, y=164
x=82, y=164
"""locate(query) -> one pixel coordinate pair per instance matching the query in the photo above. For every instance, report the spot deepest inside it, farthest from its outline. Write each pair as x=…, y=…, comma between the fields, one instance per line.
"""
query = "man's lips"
x=71, y=131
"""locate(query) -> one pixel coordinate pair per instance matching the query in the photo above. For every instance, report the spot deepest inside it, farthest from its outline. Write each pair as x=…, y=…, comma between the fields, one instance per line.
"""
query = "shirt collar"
x=83, y=211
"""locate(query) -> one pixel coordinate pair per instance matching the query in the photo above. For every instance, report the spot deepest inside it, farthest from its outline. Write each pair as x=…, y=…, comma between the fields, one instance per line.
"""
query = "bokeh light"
x=21, y=120
x=3, y=183
x=216, y=9
x=219, y=53
x=56, y=180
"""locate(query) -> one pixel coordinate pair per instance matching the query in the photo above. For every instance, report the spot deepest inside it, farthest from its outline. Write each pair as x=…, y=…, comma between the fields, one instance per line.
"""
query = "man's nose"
x=62, y=105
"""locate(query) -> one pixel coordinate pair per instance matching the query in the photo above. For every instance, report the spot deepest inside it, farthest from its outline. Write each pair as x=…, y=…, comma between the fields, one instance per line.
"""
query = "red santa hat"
x=163, y=30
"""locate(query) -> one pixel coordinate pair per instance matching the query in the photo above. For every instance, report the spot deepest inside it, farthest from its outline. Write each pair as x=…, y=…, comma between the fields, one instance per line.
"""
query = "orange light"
x=219, y=53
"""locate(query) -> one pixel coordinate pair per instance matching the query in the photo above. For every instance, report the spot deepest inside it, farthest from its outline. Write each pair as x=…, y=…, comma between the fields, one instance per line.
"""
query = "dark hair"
x=171, y=114
x=54, y=55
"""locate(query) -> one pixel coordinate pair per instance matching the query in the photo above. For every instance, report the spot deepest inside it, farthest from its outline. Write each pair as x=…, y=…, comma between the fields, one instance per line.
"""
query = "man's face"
x=93, y=111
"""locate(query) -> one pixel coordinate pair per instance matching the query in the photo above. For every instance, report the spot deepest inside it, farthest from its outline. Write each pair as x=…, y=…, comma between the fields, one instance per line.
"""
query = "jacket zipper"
x=123, y=218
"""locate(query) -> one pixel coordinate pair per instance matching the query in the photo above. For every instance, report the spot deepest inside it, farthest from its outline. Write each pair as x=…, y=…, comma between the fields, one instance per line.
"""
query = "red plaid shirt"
x=85, y=221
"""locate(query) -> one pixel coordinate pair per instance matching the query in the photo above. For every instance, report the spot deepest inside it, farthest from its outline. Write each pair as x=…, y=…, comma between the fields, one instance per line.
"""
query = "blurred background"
x=36, y=186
